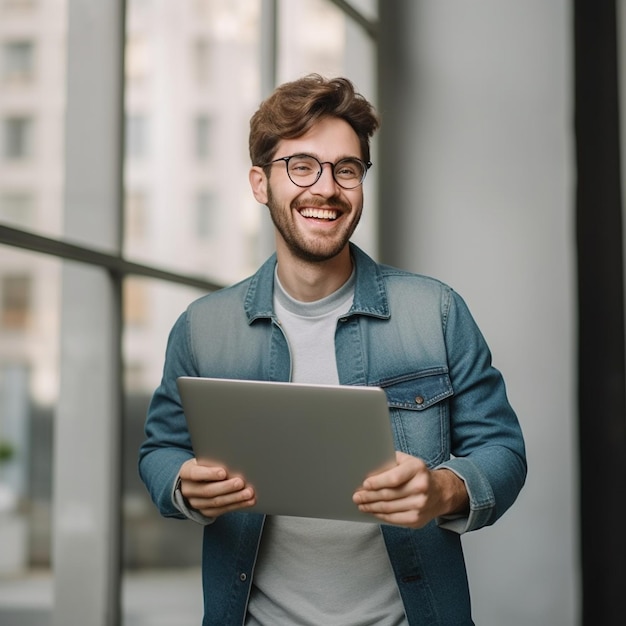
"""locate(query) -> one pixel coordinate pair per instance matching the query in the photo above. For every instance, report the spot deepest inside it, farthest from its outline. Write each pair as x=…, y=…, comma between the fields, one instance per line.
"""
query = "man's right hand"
x=211, y=491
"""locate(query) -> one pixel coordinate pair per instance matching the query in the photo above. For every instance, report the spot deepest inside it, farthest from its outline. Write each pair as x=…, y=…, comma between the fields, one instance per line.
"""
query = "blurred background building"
x=124, y=195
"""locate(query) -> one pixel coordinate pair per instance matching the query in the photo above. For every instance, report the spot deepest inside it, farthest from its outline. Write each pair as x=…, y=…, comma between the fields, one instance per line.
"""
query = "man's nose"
x=325, y=184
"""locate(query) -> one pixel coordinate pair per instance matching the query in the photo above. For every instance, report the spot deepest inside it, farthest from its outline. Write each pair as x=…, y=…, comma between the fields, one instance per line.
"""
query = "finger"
x=365, y=496
x=394, y=505
x=397, y=485
x=411, y=512
x=206, y=473
x=406, y=519
x=407, y=469
x=212, y=489
x=215, y=513
x=222, y=494
x=213, y=507
x=389, y=478
x=192, y=470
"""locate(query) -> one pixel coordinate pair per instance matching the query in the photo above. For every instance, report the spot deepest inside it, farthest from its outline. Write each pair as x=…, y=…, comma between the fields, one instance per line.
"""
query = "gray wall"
x=477, y=182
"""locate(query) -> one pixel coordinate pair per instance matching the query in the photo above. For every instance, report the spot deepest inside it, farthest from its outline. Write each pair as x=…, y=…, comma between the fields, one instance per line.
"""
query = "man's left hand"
x=410, y=494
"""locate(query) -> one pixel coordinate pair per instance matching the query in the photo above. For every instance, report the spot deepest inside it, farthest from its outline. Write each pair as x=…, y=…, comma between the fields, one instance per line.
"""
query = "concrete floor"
x=149, y=598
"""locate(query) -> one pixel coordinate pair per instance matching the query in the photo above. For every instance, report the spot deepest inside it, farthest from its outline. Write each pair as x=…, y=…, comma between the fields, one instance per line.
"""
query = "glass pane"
x=344, y=50
x=190, y=91
x=18, y=137
x=300, y=26
x=29, y=353
x=188, y=207
x=32, y=111
x=162, y=583
x=18, y=60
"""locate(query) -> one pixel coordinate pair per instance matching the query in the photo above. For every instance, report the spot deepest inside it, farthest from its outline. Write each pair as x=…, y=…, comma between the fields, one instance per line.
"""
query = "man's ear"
x=258, y=183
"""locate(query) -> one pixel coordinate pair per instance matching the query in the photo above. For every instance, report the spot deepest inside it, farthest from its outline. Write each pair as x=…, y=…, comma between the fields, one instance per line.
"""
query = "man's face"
x=314, y=223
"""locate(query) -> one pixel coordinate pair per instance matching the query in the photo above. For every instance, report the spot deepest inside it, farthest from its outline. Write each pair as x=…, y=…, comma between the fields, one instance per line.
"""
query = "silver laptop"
x=304, y=448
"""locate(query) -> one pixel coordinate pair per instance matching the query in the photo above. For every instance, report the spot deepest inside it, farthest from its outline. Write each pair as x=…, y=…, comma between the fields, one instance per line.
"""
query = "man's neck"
x=310, y=281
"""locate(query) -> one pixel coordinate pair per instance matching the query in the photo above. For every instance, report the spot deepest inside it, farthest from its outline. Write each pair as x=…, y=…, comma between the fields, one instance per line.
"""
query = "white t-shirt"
x=313, y=571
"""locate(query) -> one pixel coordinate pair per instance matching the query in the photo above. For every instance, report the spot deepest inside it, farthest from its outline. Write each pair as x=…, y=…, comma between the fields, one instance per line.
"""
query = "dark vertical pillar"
x=601, y=390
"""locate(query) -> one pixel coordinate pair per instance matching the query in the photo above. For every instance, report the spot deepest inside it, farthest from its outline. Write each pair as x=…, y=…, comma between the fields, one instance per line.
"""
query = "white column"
x=477, y=180
x=87, y=450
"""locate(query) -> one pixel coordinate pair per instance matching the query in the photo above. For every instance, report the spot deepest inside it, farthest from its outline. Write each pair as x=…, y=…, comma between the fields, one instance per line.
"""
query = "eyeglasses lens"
x=305, y=170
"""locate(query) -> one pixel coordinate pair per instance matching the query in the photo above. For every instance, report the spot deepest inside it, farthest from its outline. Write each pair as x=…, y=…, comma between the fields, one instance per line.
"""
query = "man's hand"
x=212, y=492
x=410, y=494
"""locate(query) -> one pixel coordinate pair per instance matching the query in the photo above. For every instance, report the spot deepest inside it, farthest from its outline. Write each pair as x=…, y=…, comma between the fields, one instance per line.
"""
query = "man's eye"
x=346, y=171
x=301, y=167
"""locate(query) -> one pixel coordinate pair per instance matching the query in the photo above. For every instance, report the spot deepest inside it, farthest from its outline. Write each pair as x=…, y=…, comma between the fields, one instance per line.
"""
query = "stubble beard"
x=323, y=248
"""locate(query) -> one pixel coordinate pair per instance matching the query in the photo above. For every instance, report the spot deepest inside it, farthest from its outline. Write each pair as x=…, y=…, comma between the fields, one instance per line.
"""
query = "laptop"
x=304, y=448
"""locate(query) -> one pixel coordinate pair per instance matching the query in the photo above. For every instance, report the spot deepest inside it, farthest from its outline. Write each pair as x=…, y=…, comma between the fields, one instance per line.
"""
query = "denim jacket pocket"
x=420, y=415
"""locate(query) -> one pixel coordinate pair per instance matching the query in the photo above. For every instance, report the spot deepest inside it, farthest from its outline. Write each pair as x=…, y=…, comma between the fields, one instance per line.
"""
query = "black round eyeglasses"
x=304, y=170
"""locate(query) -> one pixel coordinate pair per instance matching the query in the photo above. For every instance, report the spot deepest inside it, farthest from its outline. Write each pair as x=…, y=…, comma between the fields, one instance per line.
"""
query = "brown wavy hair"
x=294, y=107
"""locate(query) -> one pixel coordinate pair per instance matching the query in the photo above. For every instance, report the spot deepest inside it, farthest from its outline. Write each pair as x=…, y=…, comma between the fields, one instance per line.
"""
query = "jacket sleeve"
x=167, y=444
x=487, y=444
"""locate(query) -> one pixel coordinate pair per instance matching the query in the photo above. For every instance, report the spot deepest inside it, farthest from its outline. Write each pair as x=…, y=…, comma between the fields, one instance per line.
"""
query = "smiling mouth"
x=320, y=214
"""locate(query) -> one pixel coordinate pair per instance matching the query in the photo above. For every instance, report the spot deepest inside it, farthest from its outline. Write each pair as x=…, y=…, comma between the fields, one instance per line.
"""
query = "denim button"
x=243, y=577
x=419, y=400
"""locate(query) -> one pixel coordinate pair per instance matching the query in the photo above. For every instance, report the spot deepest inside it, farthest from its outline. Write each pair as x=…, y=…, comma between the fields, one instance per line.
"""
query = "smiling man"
x=321, y=311
x=316, y=198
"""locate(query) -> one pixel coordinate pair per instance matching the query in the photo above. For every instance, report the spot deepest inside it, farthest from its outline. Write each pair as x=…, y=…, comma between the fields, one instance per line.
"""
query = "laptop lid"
x=304, y=448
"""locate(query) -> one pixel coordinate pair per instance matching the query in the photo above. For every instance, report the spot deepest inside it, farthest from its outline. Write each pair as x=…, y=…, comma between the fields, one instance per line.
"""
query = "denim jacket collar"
x=370, y=295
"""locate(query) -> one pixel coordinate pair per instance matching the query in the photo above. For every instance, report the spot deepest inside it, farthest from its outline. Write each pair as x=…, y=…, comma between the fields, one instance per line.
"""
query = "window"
x=136, y=216
x=135, y=302
x=306, y=49
x=202, y=137
x=134, y=376
x=136, y=136
x=17, y=5
x=201, y=8
x=137, y=59
x=16, y=301
x=17, y=207
x=192, y=76
x=201, y=61
x=18, y=138
x=18, y=61
x=205, y=215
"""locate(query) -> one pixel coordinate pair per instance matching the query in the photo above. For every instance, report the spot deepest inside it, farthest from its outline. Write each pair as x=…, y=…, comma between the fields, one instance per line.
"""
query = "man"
x=321, y=311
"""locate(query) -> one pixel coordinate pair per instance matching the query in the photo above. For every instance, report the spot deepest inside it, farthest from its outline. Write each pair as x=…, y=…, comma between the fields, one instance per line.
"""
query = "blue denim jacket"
x=409, y=334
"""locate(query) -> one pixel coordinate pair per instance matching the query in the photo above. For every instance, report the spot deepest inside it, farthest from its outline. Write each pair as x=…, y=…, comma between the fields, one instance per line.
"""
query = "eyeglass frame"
x=286, y=159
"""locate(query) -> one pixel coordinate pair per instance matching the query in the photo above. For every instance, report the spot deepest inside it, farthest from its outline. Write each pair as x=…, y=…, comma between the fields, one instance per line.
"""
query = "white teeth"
x=320, y=214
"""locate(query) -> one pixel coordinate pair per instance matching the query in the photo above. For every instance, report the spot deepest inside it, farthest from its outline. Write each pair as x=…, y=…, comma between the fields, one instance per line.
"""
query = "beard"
x=311, y=248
